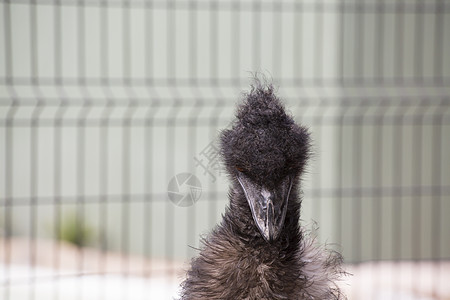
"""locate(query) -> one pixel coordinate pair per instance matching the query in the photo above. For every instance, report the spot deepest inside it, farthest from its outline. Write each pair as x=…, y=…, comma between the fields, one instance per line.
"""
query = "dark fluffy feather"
x=235, y=261
x=264, y=141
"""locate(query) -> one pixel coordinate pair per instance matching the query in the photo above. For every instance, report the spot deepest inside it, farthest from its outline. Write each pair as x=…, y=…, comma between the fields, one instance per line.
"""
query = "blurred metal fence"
x=103, y=103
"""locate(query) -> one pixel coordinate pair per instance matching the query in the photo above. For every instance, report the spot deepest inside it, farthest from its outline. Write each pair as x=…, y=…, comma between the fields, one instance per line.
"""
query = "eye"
x=240, y=169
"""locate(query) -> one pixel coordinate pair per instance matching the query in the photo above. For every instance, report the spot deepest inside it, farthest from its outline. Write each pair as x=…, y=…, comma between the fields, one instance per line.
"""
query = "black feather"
x=235, y=261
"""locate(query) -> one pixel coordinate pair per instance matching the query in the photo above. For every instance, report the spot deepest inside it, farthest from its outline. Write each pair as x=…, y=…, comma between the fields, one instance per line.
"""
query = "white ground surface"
x=86, y=287
x=101, y=276
x=399, y=280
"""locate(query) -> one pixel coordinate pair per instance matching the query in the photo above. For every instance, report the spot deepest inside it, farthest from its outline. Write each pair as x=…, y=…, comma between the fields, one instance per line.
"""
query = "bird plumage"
x=247, y=256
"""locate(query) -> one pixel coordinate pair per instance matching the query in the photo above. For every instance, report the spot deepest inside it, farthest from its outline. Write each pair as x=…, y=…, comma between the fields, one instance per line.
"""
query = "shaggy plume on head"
x=264, y=142
x=259, y=251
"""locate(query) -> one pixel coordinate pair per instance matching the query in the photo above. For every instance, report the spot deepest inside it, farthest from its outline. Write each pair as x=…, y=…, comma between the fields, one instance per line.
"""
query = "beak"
x=268, y=206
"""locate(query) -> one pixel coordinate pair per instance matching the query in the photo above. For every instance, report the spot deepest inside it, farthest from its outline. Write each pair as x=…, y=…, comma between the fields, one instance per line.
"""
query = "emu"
x=259, y=251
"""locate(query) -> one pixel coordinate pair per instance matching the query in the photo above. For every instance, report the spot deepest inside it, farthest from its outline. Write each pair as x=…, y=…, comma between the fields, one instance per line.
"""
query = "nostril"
x=267, y=195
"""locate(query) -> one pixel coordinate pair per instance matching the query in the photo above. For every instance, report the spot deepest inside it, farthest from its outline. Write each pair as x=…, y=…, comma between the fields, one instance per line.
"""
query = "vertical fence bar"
x=148, y=210
x=416, y=183
x=104, y=136
x=235, y=41
x=213, y=11
x=436, y=194
x=34, y=147
x=395, y=205
x=171, y=129
x=377, y=135
x=338, y=175
x=8, y=209
x=355, y=193
x=297, y=37
x=277, y=7
x=439, y=42
x=214, y=41
x=339, y=157
x=9, y=171
x=57, y=180
x=359, y=121
x=358, y=48
x=148, y=184
x=318, y=81
x=192, y=118
x=418, y=46
x=148, y=140
x=315, y=180
x=399, y=43
x=397, y=182
x=377, y=144
x=126, y=140
x=318, y=43
x=80, y=156
x=357, y=183
x=379, y=42
x=256, y=38
x=57, y=140
x=340, y=28
x=171, y=169
x=171, y=40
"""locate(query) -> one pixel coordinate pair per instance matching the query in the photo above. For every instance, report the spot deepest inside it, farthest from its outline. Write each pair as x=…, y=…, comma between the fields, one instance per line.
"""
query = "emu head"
x=265, y=152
